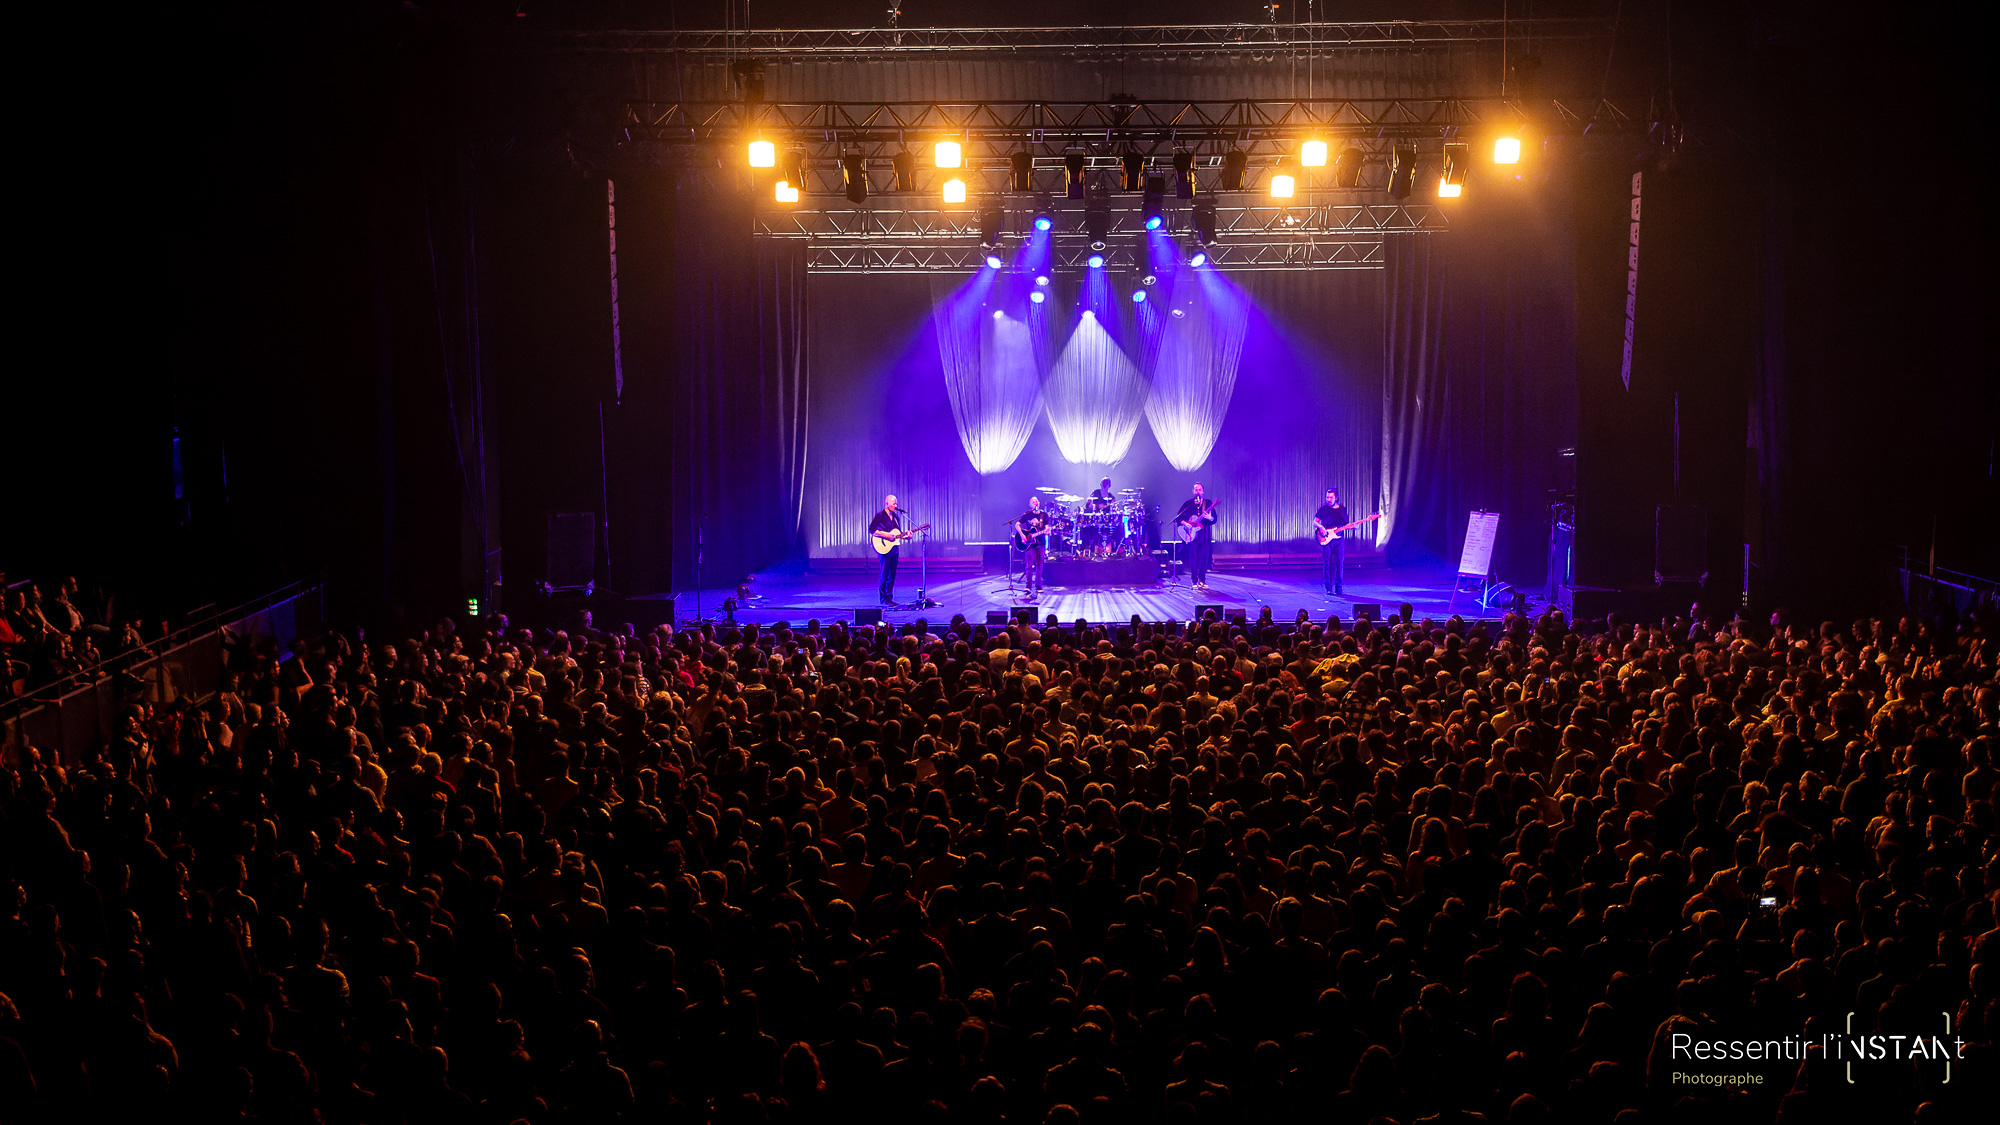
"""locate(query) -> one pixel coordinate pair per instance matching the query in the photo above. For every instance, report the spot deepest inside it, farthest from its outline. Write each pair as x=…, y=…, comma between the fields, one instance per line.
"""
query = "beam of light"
x=993, y=261
x=1200, y=258
x=1194, y=369
x=1096, y=396
x=991, y=375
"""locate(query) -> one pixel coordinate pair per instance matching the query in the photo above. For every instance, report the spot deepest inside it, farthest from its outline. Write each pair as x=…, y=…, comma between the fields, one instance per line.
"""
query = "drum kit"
x=1085, y=528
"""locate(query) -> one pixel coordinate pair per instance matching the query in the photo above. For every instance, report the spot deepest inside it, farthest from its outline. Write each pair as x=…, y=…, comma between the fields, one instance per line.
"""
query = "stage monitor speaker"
x=1201, y=612
x=572, y=549
x=1239, y=616
x=996, y=618
x=1022, y=613
x=870, y=615
x=1371, y=610
x=1680, y=543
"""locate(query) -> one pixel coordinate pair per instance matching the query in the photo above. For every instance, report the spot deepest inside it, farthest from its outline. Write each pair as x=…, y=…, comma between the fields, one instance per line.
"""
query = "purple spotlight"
x=1037, y=297
x=1042, y=280
x=993, y=261
x=997, y=314
x=1095, y=261
x=1138, y=296
x=1200, y=259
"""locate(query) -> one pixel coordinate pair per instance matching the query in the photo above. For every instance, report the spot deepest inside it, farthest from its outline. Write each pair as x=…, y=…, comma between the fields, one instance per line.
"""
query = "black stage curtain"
x=1479, y=381
x=712, y=422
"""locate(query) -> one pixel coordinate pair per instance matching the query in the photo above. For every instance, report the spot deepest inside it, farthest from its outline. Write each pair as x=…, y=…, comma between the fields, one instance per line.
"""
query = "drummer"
x=1102, y=498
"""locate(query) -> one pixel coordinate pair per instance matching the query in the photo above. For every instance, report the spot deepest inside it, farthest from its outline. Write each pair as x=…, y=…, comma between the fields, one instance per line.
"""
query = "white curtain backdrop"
x=1096, y=397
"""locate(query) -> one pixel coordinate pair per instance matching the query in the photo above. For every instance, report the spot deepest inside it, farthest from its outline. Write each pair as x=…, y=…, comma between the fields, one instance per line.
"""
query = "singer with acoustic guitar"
x=1195, y=525
x=1031, y=537
x=886, y=532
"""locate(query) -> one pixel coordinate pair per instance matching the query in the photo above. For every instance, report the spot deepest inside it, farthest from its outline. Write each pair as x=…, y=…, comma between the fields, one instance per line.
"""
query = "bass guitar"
x=886, y=543
x=1187, y=529
x=1325, y=534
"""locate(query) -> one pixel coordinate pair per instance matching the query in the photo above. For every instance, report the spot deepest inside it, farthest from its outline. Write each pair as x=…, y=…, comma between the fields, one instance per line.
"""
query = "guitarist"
x=1198, y=512
x=1031, y=532
x=888, y=525
x=1332, y=553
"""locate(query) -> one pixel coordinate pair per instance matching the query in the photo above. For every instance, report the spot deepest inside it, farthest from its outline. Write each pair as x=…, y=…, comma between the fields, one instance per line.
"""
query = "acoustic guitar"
x=1325, y=534
x=1024, y=541
x=884, y=545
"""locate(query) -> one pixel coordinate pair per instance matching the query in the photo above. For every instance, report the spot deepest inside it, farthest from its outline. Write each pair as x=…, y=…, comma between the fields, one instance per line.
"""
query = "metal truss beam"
x=1251, y=234
x=1256, y=39
x=1265, y=254
x=992, y=131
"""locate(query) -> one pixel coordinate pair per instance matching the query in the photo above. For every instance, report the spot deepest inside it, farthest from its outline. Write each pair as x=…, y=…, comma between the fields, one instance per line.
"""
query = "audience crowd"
x=61, y=638
x=1201, y=872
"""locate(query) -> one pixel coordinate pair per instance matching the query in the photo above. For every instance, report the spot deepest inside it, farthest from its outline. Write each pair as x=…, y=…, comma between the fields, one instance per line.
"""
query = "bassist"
x=1333, y=549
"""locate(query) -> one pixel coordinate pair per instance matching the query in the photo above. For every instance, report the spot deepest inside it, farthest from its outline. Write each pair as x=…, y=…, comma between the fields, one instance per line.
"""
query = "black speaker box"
x=1371, y=610
x=870, y=615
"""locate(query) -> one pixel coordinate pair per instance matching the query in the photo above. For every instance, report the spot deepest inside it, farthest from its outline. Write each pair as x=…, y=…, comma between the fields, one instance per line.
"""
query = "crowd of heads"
x=1207, y=871
x=60, y=637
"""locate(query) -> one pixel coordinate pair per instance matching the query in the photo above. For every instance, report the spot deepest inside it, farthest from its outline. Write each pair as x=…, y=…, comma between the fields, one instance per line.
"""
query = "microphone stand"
x=923, y=572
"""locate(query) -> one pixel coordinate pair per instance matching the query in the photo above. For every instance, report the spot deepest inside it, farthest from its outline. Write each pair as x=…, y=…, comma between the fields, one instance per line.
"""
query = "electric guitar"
x=883, y=545
x=1325, y=534
x=1187, y=529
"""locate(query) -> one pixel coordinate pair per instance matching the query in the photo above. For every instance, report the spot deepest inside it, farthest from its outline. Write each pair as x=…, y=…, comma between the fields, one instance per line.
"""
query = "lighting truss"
x=1252, y=233
x=1262, y=39
x=991, y=132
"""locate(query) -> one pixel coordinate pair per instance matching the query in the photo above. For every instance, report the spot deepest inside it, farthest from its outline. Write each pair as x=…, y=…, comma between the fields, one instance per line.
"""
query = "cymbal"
x=1067, y=498
x=1130, y=491
x=1047, y=488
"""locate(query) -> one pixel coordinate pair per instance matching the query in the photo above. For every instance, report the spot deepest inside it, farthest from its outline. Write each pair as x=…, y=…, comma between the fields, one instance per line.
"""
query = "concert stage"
x=830, y=597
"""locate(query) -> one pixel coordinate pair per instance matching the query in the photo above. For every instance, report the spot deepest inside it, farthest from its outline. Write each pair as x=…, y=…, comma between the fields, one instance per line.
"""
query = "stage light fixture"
x=1037, y=296
x=854, y=170
x=1183, y=175
x=1402, y=172
x=792, y=166
x=1097, y=220
x=1154, y=208
x=1452, y=183
x=1204, y=222
x=993, y=261
x=1347, y=167
x=1281, y=185
x=905, y=164
x=1096, y=262
x=1179, y=313
x=1044, y=219
x=1507, y=150
x=1073, y=163
x=1044, y=222
x=786, y=193
x=997, y=314
x=1023, y=164
x=1148, y=279
x=1042, y=280
x=1135, y=170
x=1312, y=154
x=954, y=191
x=1234, y=163
x=1138, y=296
x=1200, y=258
x=946, y=154
x=992, y=225
x=763, y=154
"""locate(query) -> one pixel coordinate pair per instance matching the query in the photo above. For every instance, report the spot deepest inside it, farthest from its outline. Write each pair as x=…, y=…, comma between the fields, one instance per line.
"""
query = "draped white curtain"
x=1096, y=397
x=990, y=375
x=1194, y=371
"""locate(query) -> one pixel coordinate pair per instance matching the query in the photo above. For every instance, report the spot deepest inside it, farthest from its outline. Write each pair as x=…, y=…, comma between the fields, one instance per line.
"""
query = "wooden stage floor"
x=829, y=597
